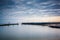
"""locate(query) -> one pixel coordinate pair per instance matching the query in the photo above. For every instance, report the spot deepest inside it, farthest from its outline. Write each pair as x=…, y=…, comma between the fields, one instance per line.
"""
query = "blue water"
x=29, y=31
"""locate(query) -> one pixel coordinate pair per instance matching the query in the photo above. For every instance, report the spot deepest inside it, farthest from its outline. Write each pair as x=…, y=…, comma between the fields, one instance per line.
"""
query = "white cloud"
x=29, y=2
x=31, y=12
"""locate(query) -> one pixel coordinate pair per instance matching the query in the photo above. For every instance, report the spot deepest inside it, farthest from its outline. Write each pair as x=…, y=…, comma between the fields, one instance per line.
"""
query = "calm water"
x=29, y=32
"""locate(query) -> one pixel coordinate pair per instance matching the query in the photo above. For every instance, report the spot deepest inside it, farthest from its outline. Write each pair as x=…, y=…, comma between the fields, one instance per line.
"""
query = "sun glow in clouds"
x=43, y=19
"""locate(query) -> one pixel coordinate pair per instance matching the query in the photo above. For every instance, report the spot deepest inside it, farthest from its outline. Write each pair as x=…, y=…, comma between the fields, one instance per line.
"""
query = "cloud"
x=30, y=3
x=6, y=4
x=42, y=19
x=32, y=12
x=26, y=8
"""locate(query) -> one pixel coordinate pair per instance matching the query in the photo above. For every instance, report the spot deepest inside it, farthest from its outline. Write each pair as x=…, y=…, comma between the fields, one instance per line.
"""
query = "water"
x=29, y=32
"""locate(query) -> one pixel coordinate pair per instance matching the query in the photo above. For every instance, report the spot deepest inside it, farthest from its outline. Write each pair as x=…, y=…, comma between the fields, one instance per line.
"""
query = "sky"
x=21, y=9
x=43, y=19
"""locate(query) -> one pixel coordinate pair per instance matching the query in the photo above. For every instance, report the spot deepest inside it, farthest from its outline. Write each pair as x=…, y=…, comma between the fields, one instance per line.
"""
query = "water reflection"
x=29, y=32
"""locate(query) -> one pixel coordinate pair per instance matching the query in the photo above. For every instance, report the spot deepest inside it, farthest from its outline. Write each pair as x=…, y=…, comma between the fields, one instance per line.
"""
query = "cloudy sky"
x=17, y=9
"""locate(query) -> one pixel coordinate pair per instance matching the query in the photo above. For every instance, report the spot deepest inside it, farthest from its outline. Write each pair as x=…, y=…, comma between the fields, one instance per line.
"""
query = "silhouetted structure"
x=9, y=24
x=50, y=24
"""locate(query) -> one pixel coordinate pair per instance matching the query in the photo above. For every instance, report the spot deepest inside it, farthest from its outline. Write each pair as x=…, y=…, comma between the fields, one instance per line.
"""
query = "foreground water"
x=29, y=32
